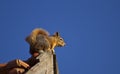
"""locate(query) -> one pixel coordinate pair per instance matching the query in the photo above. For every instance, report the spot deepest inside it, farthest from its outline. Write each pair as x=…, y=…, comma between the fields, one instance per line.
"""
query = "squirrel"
x=39, y=39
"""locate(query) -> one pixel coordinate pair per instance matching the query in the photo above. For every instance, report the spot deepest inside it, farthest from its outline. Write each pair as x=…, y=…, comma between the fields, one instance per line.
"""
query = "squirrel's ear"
x=57, y=34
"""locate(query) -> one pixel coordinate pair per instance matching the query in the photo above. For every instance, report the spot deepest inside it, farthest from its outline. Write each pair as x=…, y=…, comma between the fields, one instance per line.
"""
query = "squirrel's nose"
x=64, y=44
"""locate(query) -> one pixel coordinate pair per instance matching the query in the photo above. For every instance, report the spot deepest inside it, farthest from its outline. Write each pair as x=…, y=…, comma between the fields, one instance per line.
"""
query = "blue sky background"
x=91, y=29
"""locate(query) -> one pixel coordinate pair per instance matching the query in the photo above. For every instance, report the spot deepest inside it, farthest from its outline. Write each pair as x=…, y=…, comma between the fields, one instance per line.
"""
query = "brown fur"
x=40, y=39
x=31, y=39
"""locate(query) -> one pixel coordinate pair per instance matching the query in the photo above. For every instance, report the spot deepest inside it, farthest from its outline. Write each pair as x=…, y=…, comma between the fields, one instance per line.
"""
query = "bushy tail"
x=31, y=39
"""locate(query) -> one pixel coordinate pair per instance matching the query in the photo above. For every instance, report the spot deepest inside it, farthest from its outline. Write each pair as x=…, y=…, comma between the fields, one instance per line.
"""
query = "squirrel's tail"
x=38, y=31
x=31, y=39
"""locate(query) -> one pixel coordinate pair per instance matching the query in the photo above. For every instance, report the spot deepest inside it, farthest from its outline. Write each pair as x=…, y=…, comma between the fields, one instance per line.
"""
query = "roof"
x=47, y=64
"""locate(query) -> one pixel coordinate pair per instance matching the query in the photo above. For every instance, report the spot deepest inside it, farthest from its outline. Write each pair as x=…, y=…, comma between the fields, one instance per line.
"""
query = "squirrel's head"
x=59, y=39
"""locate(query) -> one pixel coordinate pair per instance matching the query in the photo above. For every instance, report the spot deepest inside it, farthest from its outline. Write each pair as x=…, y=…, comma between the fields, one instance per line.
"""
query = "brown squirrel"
x=40, y=39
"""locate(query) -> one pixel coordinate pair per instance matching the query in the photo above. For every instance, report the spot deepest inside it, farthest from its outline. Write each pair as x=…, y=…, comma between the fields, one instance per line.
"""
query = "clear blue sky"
x=91, y=29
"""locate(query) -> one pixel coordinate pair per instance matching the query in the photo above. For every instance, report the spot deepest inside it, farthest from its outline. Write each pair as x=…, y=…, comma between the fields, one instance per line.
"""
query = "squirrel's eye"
x=61, y=39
